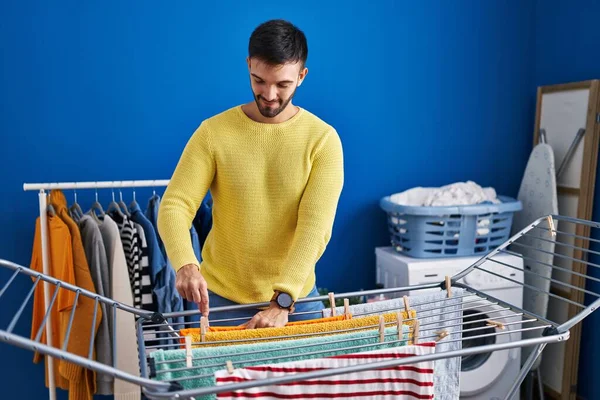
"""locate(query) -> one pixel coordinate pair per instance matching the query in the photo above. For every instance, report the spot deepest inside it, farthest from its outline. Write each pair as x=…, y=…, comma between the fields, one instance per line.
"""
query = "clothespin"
x=441, y=334
x=551, y=225
x=229, y=366
x=203, y=328
x=405, y=298
x=448, y=286
x=332, y=304
x=399, y=322
x=416, y=332
x=188, y=351
x=497, y=324
x=381, y=329
x=347, y=309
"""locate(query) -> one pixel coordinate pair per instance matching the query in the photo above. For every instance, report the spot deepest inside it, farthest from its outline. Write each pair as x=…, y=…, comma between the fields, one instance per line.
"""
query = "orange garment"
x=82, y=382
x=315, y=327
x=60, y=267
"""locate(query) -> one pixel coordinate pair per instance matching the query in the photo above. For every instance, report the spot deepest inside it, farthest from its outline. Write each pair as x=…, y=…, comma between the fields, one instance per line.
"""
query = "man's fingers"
x=252, y=323
x=196, y=297
x=204, y=300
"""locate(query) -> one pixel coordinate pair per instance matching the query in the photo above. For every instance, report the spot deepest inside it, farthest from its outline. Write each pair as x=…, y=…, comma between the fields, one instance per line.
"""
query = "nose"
x=270, y=93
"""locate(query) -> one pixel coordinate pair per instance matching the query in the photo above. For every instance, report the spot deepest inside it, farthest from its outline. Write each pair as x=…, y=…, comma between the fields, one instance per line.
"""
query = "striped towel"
x=410, y=381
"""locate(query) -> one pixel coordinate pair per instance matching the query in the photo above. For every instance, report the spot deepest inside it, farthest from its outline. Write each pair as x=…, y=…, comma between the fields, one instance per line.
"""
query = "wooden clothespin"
x=441, y=334
x=203, y=328
x=332, y=304
x=381, y=329
x=188, y=351
x=406, y=306
x=399, y=322
x=497, y=324
x=448, y=286
x=416, y=332
x=551, y=225
x=347, y=314
x=229, y=366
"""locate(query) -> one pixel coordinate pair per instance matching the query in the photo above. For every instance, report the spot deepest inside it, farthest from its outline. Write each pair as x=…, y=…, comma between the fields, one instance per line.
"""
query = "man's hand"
x=274, y=316
x=191, y=285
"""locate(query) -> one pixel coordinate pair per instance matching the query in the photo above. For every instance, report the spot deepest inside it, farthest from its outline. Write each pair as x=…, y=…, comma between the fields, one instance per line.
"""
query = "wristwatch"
x=283, y=300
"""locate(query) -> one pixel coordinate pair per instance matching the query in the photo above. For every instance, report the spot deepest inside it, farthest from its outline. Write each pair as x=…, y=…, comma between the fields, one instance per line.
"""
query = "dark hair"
x=278, y=42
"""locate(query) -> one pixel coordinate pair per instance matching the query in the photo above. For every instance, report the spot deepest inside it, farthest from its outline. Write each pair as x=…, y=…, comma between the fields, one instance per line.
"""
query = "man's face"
x=274, y=86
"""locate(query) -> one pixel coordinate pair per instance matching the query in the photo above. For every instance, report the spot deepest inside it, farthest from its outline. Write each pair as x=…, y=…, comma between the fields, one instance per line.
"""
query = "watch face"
x=284, y=300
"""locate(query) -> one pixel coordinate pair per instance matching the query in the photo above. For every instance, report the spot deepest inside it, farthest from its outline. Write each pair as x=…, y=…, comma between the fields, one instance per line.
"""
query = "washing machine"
x=487, y=376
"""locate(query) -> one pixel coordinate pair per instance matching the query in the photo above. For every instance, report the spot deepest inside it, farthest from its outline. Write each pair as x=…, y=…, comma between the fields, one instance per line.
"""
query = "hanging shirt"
x=127, y=350
x=82, y=381
x=409, y=381
x=95, y=252
x=61, y=267
x=148, y=302
x=131, y=246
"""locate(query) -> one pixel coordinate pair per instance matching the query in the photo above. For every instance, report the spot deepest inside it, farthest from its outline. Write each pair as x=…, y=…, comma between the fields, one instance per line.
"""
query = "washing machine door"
x=480, y=371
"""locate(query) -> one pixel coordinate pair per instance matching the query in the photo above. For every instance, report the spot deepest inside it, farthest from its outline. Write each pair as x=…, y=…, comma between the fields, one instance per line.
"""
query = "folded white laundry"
x=460, y=193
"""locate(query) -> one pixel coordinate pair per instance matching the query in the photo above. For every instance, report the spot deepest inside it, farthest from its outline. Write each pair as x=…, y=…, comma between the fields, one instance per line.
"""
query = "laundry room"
x=343, y=199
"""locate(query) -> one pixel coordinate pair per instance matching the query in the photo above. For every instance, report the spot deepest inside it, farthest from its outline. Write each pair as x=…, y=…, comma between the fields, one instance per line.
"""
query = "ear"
x=302, y=75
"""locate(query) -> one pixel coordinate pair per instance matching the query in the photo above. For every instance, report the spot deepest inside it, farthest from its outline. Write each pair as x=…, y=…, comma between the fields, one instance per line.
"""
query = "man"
x=275, y=172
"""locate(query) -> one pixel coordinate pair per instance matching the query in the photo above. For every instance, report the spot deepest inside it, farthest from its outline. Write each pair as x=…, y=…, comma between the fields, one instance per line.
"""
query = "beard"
x=273, y=110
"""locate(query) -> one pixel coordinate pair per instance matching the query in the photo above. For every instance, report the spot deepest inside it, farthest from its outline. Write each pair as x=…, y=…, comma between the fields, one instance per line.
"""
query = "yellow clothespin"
x=497, y=324
x=448, y=286
x=441, y=334
x=229, y=366
x=203, y=328
x=332, y=304
x=381, y=329
x=399, y=322
x=188, y=351
x=347, y=314
x=551, y=225
x=406, y=307
x=416, y=332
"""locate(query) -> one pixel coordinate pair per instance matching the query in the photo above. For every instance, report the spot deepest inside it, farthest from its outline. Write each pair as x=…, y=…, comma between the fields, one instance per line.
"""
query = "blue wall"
x=567, y=38
x=421, y=94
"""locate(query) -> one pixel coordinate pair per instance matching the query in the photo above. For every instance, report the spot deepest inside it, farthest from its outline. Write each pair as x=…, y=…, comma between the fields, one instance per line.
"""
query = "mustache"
x=269, y=101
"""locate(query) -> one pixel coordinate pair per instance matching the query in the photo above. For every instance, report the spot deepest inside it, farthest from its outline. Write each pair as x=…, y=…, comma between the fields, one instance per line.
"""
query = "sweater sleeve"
x=189, y=184
x=316, y=214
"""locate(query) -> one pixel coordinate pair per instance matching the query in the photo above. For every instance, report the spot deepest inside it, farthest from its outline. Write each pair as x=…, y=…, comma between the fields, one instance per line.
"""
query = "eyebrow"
x=258, y=77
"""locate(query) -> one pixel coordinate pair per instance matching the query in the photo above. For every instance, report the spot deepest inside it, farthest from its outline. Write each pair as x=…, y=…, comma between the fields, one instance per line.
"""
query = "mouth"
x=269, y=103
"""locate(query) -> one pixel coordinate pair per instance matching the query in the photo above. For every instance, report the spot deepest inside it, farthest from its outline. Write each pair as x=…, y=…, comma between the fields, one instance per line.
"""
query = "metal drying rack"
x=549, y=331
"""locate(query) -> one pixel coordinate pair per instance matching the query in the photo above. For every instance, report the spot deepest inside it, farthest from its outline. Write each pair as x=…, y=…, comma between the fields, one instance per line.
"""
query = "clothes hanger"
x=75, y=210
x=114, y=207
x=97, y=207
x=122, y=205
x=134, y=202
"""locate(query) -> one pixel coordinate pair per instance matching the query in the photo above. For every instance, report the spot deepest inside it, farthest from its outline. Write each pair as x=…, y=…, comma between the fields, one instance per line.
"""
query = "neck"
x=252, y=111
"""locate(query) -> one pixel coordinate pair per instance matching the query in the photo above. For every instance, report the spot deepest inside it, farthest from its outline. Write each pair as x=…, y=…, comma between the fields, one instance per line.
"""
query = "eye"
x=283, y=85
x=259, y=82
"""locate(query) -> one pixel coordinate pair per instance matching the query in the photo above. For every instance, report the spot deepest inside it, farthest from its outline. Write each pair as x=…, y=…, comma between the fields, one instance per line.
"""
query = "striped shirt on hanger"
x=148, y=302
x=131, y=245
x=409, y=381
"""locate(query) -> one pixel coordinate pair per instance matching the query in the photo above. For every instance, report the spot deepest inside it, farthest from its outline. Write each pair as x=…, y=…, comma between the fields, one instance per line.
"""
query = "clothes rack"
x=504, y=320
x=43, y=206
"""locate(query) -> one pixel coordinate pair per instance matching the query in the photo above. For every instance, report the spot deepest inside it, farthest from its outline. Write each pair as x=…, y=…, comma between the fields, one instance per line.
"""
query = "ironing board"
x=538, y=196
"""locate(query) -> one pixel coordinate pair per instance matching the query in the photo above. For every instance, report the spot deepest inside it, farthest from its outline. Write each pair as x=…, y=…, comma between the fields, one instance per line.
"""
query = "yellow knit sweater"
x=275, y=189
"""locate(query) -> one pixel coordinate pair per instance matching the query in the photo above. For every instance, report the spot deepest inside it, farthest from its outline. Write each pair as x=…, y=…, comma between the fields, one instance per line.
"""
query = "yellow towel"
x=318, y=327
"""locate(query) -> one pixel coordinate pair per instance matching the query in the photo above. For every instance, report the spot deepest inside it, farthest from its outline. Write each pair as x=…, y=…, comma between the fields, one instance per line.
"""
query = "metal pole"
x=525, y=370
x=46, y=269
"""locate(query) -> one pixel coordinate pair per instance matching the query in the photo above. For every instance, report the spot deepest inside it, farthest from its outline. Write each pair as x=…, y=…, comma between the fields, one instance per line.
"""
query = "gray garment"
x=435, y=313
x=95, y=252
